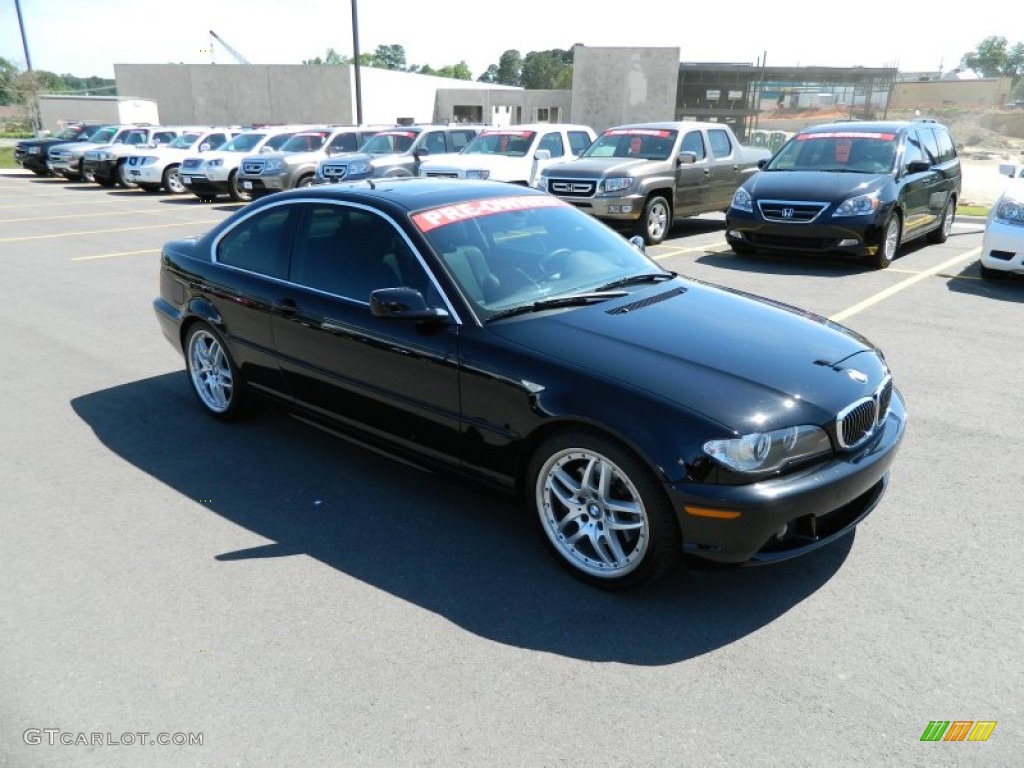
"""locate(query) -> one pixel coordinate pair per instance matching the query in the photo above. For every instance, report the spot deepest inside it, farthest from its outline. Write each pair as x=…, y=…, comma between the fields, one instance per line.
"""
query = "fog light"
x=736, y=234
x=613, y=209
x=781, y=533
x=627, y=208
x=848, y=241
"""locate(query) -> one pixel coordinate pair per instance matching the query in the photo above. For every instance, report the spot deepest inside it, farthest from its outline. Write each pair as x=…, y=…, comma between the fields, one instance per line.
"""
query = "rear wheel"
x=305, y=181
x=212, y=373
x=888, y=242
x=602, y=511
x=941, y=234
x=172, y=181
x=655, y=221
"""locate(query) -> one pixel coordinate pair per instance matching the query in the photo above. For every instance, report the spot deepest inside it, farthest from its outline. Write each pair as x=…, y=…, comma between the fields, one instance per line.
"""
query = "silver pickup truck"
x=644, y=176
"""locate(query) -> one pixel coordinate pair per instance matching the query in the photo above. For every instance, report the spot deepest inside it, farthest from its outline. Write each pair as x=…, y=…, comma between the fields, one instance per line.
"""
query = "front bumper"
x=1002, y=247
x=64, y=165
x=31, y=162
x=203, y=185
x=264, y=185
x=625, y=209
x=146, y=174
x=792, y=515
x=854, y=235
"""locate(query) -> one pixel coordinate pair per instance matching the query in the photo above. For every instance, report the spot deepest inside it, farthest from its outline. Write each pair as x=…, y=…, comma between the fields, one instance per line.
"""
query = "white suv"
x=215, y=172
x=106, y=163
x=515, y=154
x=157, y=168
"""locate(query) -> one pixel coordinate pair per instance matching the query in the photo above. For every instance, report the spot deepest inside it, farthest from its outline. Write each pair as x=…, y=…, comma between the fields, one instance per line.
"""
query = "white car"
x=516, y=154
x=1002, y=248
x=106, y=163
x=215, y=172
x=157, y=168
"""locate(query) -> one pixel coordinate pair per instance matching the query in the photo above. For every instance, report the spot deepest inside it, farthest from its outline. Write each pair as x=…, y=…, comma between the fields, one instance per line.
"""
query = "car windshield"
x=643, y=143
x=851, y=151
x=103, y=135
x=514, y=253
x=304, y=142
x=508, y=143
x=185, y=141
x=243, y=142
x=390, y=143
x=69, y=133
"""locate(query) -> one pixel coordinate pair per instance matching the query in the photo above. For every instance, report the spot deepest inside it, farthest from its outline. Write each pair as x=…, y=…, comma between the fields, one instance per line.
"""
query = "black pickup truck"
x=31, y=153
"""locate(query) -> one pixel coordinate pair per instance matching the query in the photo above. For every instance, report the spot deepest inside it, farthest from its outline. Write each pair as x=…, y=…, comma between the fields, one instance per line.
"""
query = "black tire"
x=615, y=549
x=235, y=190
x=888, y=242
x=305, y=181
x=941, y=233
x=656, y=220
x=212, y=373
x=43, y=172
x=107, y=182
x=172, y=181
x=121, y=176
x=84, y=175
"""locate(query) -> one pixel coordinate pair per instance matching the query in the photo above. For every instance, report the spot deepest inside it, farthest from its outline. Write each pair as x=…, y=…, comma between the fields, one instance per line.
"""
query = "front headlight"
x=858, y=206
x=359, y=168
x=742, y=201
x=35, y=150
x=1009, y=210
x=104, y=156
x=763, y=452
x=617, y=184
x=214, y=163
x=273, y=164
x=478, y=174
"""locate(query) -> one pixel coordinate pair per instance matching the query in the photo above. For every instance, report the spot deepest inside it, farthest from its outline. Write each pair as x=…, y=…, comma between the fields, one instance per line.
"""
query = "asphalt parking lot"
x=292, y=600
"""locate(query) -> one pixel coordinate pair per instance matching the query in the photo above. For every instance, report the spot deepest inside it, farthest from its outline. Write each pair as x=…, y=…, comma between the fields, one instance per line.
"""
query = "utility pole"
x=24, y=40
x=34, y=107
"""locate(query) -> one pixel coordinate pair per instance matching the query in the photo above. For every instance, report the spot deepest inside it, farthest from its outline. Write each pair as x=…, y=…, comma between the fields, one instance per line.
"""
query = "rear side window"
x=276, y=142
x=552, y=142
x=694, y=142
x=947, y=151
x=460, y=138
x=260, y=243
x=721, y=144
x=344, y=142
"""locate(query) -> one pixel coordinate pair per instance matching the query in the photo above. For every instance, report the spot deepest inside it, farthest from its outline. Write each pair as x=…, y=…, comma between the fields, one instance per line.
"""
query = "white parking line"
x=112, y=255
x=106, y=231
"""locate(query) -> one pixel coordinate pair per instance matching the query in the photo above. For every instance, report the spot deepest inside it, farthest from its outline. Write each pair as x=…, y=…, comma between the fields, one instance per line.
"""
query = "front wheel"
x=123, y=177
x=888, y=242
x=602, y=512
x=941, y=234
x=235, y=190
x=655, y=221
x=84, y=175
x=172, y=181
x=212, y=373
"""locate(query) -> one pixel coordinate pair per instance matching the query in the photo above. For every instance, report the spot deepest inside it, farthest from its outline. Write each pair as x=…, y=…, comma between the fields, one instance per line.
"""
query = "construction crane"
x=238, y=57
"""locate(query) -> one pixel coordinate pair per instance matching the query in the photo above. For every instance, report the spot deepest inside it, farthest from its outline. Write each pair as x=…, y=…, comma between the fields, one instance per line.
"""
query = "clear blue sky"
x=87, y=37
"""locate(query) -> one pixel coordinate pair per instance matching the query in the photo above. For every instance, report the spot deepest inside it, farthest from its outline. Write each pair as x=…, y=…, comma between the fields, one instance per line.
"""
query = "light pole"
x=355, y=63
x=24, y=40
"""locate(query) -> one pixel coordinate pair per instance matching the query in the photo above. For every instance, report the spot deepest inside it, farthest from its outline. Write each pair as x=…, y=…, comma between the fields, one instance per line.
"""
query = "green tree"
x=490, y=75
x=991, y=58
x=8, y=73
x=544, y=69
x=510, y=68
x=389, y=57
x=458, y=71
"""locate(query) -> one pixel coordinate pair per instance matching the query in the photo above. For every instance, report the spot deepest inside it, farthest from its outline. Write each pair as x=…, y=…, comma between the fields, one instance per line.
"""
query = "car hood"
x=589, y=167
x=812, y=185
x=77, y=147
x=494, y=163
x=747, y=363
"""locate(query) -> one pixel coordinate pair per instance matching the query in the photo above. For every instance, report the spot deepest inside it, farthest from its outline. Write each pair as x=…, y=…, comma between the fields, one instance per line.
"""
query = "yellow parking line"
x=97, y=201
x=894, y=289
x=112, y=255
x=680, y=251
x=106, y=231
x=84, y=215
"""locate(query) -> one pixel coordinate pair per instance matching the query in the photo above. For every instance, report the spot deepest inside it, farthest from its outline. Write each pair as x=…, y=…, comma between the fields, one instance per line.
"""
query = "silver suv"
x=396, y=152
x=295, y=164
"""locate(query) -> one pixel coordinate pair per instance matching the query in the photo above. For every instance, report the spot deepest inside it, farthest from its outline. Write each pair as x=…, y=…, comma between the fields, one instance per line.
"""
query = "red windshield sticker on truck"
x=407, y=134
x=472, y=209
x=843, y=150
x=521, y=134
x=846, y=135
x=638, y=132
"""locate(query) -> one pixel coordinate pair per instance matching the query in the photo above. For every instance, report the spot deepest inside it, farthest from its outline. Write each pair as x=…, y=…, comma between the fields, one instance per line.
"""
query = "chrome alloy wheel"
x=657, y=221
x=592, y=513
x=210, y=371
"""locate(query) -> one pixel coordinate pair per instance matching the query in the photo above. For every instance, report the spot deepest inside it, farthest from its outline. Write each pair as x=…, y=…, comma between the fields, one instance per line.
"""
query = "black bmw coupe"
x=493, y=330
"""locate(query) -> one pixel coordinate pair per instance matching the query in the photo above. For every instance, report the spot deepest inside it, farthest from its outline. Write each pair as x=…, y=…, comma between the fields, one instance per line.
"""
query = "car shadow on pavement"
x=784, y=264
x=464, y=553
x=1009, y=287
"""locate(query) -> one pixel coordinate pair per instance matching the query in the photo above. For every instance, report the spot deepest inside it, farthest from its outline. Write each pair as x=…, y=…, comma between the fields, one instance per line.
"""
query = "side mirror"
x=404, y=304
x=265, y=150
x=1007, y=169
x=542, y=154
x=420, y=152
x=918, y=166
x=204, y=147
x=638, y=242
x=687, y=158
x=762, y=162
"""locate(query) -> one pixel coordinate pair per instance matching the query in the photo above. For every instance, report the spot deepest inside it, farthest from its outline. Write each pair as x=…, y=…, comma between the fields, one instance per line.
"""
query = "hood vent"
x=623, y=309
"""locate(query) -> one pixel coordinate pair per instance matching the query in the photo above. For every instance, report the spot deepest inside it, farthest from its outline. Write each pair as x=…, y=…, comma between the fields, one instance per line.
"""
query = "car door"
x=554, y=143
x=251, y=262
x=693, y=180
x=396, y=379
x=918, y=188
x=725, y=170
